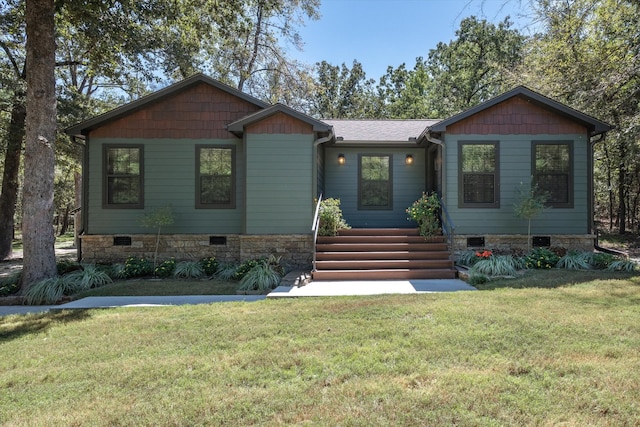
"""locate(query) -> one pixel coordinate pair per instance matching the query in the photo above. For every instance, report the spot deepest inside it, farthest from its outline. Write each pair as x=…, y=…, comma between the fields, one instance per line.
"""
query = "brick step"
x=355, y=256
x=377, y=239
x=379, y=232
x=392, y=274
x=388, y=264
x=380, y=247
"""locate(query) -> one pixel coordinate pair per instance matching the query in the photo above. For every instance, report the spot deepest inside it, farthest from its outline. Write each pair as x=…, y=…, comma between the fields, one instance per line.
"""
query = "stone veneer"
x=296, y=250
x=506, y=242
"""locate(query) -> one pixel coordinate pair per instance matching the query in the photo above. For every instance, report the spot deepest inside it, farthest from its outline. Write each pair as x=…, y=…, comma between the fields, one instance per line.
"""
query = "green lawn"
x=566, y=355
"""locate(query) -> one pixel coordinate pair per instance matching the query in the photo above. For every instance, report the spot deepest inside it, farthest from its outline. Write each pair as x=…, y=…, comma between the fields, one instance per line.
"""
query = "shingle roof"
x=378, y=130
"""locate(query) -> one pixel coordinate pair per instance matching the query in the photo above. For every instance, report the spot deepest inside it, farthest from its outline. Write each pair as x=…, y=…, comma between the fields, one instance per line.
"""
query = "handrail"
x=448, y=227
x=315, y=227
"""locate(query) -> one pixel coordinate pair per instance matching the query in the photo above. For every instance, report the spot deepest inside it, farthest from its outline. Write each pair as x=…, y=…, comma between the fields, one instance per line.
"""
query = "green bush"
x=244, y=268
x=264, y=276
x=478, y=279
x=623, y=265
x=497, y=265
x=227, y=271
x=65, y=266
x=10, y=285
x=137, y=267
x=575, y=261
x=209, y=265
x=602, y=260
x=424, y=212
x=47, y=291
x=189, y=270
x=166, y=268
x=331, y=219
x=90, y=276
x=541, y=258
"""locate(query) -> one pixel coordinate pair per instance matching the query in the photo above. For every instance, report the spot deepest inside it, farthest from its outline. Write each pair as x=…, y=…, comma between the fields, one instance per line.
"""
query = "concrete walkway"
x=313, y=289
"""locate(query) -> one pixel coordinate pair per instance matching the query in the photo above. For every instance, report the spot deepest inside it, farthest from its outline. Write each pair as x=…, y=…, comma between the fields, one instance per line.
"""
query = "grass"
x=564, y=355
x=146, y=287
x=554, y=278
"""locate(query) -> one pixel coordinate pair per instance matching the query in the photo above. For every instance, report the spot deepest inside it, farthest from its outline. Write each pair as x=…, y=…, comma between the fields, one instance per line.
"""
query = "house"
x=242, y=176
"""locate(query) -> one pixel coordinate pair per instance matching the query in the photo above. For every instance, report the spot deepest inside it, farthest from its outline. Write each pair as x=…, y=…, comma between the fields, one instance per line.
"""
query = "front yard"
x=565, y=355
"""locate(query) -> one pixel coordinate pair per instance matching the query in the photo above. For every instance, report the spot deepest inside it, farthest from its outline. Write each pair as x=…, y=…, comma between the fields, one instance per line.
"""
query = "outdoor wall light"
x=408, y=160
x=341, y=159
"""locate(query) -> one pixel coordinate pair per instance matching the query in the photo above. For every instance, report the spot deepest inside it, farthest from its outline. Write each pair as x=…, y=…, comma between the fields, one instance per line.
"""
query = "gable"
x=516, y=116
x=280, y=123
x=200, y=111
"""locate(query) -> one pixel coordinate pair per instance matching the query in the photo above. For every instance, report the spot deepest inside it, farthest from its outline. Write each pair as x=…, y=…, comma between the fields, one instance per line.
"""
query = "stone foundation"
x=296, y=250
x=510, y=242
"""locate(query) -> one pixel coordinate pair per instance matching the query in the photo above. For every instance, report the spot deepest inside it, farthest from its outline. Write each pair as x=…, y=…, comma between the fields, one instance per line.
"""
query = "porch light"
x=408, y=160
x=341, y=159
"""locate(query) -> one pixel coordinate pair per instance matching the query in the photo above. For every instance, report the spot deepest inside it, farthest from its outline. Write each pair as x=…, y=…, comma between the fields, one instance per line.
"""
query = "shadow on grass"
x=557, y=278
x=13, y=327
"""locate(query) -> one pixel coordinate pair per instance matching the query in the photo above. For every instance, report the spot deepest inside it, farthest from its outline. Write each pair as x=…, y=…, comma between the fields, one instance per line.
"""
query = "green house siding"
x=279, y=184
x=169, y=180
x=341, y=181
x=515, y=167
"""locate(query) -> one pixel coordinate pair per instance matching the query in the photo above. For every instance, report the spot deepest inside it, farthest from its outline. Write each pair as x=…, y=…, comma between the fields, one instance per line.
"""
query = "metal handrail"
x=315, y=227
x=448, y=227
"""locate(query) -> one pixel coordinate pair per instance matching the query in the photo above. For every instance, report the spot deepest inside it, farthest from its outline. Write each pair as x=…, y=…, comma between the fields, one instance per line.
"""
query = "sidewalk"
x=313, y=289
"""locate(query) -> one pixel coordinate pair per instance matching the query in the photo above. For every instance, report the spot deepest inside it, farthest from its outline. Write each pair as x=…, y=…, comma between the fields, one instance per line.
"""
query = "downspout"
x=83, y=198
x=593, y=229
x=314, y=159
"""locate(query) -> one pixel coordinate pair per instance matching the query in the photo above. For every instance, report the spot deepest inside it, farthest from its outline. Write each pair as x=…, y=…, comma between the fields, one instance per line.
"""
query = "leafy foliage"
x=623, y=265
x=47, y=291
x=265, y=275
x=137, y=267
x=602, y=260
x=575, y=261
x=541, y=258
x=424, y=211
x=331, y=219
x=497, y=265
x=10, y=284
x=166, y=268
x=90, y=276
x=244, y=268
x=529, y=204
x=189, y=269
x=209, y=265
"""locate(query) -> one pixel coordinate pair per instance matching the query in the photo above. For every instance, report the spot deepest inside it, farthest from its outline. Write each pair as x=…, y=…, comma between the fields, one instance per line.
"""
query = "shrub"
x=331, y=219
x=244, y=268
x=424, y=212
x=602, y=260
x=65, y=266
x=118, y=271
x=467, y=258
x=209, y=265
x=137, y=267
x=9, y=285
x=623, y=265
x=47, y=291
x=166, y=268
x=575, y=261
x=227, y=271
x=501, y=265
x=189, y=270
x=541, y=258
x=88, y=277
x=265, y=275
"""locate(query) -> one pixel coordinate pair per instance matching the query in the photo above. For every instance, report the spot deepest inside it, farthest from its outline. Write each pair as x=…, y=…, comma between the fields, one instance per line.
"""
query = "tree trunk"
x=622, y=180
x=65, y=221
x=39, y=160
x=10, y=175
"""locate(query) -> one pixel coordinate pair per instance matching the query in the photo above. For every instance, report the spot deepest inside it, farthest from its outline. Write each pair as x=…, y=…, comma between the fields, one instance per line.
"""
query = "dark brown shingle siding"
x=280, y=123
x=198, y=112
x=515, y=116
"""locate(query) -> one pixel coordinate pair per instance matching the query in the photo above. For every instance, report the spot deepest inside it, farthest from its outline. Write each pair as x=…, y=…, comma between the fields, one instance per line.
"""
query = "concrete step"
x=385, y=264
x=392, y=274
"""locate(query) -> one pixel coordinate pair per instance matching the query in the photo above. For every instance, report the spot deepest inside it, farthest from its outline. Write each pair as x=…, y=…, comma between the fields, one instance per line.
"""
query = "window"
x=374, y=189
x=123, y=177
x=215, y=177
x=478, y=175
x=552, y=172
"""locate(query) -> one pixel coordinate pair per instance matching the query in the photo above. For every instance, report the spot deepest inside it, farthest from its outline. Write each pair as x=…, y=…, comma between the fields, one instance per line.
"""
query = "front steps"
x=382, y=254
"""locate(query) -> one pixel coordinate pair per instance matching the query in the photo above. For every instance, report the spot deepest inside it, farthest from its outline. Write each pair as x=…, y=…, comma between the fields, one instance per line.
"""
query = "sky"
x=379, y=33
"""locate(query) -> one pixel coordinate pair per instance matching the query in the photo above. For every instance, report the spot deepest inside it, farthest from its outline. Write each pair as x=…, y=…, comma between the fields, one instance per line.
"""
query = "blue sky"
x=379, y=33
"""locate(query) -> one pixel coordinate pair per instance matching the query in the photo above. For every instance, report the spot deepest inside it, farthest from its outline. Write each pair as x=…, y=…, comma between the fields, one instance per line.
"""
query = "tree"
x=404, y=93
x=37, y=230
x=588, y=56
x=529, y=204
x=342, y=93
x=474, y=67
